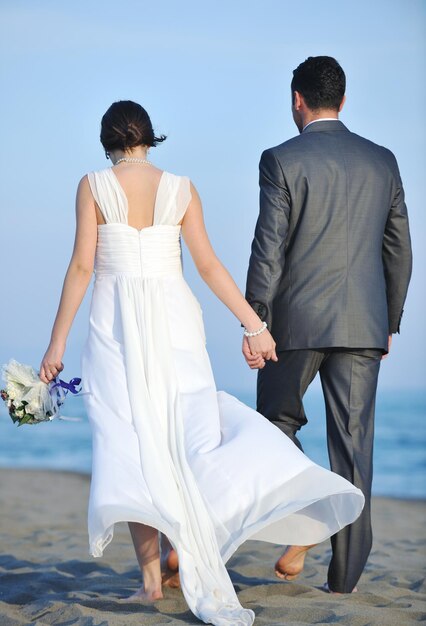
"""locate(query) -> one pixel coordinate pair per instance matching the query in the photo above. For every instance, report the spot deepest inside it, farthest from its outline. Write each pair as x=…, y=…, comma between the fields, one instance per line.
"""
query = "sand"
x=47, y=576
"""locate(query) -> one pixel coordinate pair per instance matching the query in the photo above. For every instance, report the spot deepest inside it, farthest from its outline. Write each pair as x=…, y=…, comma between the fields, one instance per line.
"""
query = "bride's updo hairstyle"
x=126, y=125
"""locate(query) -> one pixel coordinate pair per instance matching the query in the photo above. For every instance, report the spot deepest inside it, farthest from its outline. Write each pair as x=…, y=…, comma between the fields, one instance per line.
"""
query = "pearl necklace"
x=133, y=160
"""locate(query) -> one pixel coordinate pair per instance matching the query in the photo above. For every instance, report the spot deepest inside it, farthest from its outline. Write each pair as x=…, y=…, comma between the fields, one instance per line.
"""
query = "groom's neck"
x=310, y=116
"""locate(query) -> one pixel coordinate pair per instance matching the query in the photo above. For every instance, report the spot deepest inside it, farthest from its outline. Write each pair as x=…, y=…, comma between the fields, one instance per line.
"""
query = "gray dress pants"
x=349, y=381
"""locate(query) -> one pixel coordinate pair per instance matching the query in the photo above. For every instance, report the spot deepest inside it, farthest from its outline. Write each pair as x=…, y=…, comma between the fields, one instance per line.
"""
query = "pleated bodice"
x=152, y=252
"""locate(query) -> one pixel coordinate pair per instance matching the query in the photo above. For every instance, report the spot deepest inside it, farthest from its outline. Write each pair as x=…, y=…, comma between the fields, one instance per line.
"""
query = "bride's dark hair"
x=125, y=125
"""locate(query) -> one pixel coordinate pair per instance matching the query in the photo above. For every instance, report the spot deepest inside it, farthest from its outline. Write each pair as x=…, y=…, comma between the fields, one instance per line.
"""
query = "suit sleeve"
x=397, y=255
x=268, y=248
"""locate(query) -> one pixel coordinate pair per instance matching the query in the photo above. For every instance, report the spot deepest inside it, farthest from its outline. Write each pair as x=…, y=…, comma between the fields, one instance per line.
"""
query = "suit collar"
x=324, y=125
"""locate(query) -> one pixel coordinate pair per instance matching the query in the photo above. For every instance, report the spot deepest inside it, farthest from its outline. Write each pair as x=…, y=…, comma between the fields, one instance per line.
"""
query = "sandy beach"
x=47, y=576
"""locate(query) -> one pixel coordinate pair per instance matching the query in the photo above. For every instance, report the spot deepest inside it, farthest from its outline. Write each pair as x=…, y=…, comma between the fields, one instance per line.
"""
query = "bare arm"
x=217, y=277
x=76, y=281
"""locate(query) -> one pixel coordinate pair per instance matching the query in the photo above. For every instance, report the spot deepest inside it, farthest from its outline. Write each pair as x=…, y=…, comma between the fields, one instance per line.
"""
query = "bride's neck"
x=139, y=152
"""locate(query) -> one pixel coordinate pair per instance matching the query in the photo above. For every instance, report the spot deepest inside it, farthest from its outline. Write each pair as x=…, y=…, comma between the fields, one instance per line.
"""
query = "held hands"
x=258, y=349
x=51, y=363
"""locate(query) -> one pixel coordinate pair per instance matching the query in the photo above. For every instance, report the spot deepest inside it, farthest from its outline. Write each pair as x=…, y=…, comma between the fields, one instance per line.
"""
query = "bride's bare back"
x=140, y=186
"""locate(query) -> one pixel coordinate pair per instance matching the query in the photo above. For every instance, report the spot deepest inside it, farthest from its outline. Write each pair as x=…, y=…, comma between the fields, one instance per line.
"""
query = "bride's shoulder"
x=88, y=176
x=99, y=172
x=173, y=175
x=89, y=182
x=179, y=179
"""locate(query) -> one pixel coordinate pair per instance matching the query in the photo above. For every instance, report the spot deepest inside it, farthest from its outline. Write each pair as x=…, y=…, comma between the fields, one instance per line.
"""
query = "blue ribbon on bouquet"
x=71, y=386
x=60, y=387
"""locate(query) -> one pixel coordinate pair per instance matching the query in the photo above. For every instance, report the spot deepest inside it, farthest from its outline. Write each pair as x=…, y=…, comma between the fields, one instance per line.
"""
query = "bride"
x=172, y=455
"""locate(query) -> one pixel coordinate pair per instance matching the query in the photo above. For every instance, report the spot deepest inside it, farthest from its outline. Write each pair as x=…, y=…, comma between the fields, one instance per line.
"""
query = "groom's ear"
x=342, y=103
x=297, y=101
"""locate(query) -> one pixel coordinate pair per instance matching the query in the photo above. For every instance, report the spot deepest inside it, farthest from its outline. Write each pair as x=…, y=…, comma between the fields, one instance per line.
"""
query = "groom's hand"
x=389, y=347
x=254, y=361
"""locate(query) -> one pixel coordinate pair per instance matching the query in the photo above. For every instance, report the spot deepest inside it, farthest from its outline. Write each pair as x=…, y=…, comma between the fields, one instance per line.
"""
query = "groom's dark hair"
x=321, y=81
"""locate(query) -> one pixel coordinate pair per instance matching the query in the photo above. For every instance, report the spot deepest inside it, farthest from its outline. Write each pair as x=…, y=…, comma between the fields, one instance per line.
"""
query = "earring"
x=107, y=155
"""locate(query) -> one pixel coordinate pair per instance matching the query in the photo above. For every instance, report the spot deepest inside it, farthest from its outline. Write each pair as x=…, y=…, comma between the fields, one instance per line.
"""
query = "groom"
x=329, y=272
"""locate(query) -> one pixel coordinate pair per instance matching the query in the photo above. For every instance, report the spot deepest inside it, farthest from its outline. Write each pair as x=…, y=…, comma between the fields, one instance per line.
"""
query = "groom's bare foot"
x=147, y=595
x=290, y=564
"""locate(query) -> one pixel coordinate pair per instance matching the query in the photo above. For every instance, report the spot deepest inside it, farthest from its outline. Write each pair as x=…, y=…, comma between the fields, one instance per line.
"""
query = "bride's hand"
x=259, y=348
x=264, y=345
x=51, y=363
x=254, y=361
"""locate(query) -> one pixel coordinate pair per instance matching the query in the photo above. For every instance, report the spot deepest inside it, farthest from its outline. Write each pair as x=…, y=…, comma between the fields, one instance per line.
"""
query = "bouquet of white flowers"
x=29, y=400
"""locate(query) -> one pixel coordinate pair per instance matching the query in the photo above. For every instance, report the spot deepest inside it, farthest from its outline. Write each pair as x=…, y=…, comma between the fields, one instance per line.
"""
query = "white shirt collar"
x=321, y=119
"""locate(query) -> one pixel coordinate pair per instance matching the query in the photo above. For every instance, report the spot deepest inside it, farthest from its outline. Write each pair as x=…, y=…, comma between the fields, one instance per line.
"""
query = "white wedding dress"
x=168, y=449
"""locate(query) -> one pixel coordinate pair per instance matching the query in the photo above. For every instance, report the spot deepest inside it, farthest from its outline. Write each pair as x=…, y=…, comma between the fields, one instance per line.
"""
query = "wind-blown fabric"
x=169, y=450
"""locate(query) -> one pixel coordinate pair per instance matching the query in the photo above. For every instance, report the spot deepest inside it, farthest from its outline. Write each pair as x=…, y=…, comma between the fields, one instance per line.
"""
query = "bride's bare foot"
x=142, y=595
x=172, y=561
x=169, y=564
x=171, y=579
x=145, y=540
x=290, y=564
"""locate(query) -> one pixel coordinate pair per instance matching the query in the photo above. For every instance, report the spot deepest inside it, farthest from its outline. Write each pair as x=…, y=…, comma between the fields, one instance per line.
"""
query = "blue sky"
x=214, y=77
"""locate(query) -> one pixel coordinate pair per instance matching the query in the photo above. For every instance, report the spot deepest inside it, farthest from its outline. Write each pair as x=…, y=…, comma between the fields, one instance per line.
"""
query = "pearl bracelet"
x=255, y=332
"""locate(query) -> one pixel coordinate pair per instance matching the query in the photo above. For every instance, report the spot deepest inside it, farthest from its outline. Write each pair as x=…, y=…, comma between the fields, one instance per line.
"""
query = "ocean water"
x=399, y=456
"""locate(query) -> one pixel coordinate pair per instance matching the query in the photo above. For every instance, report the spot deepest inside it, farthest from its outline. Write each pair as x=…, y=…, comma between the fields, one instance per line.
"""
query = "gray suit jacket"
x=331, y=257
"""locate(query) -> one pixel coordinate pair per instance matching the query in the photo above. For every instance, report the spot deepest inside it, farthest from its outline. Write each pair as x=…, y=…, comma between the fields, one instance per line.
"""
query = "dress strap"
x=109, y=196
x=173, y=198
